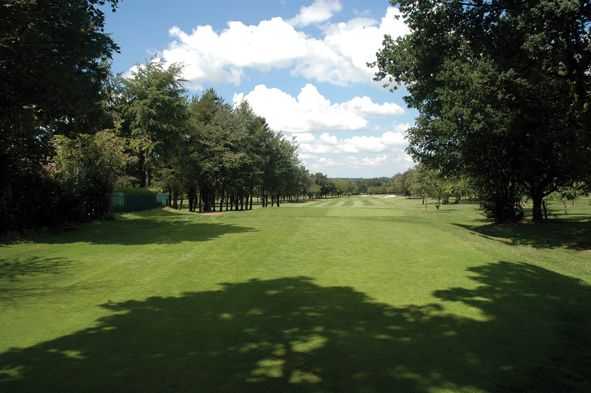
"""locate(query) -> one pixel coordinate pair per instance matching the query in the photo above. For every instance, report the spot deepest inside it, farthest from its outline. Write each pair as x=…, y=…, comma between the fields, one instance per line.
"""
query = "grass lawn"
x=365, y=294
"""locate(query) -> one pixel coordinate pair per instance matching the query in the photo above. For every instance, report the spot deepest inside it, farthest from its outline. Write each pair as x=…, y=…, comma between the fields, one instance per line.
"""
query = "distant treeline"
x=423, y=183
x=418, y=182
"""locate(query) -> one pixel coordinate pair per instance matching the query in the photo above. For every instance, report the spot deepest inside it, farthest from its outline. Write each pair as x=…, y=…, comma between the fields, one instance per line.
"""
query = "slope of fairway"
x=361, y=294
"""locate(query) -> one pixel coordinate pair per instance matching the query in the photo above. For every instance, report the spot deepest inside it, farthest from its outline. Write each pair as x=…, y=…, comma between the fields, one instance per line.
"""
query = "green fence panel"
x=118, y=201
x=162, y=198
x=130, y=202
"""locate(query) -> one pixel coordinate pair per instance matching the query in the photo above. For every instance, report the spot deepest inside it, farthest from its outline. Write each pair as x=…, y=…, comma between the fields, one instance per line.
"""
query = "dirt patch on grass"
x=214, y=214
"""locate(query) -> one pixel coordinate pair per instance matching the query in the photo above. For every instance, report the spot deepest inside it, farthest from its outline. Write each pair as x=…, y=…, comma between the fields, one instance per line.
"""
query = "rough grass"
x=365, y=294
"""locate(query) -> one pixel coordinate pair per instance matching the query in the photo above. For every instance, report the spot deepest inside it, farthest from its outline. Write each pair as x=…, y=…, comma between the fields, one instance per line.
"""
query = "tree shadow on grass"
x=145, y=229
x=568, y=233
x=292, y=335
x=15, y=269
x=16, y=273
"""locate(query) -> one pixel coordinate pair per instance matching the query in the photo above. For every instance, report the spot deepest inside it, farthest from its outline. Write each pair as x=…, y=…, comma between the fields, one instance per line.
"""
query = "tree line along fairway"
x=351, y=294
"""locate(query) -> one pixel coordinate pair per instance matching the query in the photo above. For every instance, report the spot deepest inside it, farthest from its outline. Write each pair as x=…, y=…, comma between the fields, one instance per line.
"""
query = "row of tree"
x=503, y=91
x=202, y=149
x=71, y=133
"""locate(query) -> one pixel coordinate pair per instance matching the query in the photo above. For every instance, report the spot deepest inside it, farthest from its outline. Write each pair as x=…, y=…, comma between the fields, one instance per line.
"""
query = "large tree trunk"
x=537, y=211
x=175, y=200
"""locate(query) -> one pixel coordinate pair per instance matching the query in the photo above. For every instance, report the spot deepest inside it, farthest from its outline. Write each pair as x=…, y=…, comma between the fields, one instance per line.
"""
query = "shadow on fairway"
x=19, y=271
x=15, y=269
x=291, y=335
x=148, y=229
x=569, y=233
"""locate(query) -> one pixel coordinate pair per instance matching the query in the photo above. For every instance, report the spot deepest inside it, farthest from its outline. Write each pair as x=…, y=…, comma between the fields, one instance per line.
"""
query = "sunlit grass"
x=353, y=294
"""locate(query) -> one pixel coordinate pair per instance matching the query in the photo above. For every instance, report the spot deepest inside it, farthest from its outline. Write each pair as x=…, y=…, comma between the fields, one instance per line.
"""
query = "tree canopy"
x=503, y=91
x=54, y=60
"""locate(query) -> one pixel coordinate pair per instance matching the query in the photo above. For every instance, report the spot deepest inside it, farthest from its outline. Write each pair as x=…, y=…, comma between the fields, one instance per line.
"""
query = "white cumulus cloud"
x=317, y=12
x=339, y=55
x=380, y=155
x=366, y=106
x=330, y=144
x=310, y=111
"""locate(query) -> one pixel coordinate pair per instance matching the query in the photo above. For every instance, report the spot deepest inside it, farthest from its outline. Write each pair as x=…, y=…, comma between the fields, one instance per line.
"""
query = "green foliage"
x=227, y=156
x=87, y=167
x=134, y=190
x=154, y=115
x=54, y=60
x=503, y=91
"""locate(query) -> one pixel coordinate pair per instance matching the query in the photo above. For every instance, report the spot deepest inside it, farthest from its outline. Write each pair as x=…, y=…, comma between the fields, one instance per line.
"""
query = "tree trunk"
x=538, y=215
x=142, y=165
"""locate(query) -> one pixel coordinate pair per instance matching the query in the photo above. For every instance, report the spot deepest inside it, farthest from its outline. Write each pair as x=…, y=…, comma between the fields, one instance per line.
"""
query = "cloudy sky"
x=300, y=64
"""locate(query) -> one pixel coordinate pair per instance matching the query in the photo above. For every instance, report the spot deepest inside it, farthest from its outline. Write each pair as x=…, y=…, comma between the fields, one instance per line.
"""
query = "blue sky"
x=300, y=64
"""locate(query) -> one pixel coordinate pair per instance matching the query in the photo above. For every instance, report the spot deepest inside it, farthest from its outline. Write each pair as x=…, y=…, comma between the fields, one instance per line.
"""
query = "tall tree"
x=154, y=113
x=503, y=90
x=54, y=59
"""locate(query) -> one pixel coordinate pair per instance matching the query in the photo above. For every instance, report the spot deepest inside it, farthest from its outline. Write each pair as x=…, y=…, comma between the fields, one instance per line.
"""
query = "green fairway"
x=361, y=294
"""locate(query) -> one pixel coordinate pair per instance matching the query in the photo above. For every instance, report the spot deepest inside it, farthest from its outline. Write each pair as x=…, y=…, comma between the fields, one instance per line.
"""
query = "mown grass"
x=364, y=294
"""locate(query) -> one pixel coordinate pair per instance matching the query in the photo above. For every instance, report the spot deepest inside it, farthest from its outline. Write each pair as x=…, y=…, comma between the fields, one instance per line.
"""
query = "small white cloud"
x=365, y=105
x=304, y=137
x=330, y=144
x=393, y=138
x=328, y=139
x=372, y=161
x=402, y=127
x=132, y=71
x=310, y=111
x=317, y=12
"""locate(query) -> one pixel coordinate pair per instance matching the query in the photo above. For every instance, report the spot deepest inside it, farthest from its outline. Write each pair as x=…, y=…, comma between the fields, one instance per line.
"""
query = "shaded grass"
x=555, y=233
x=388, y=297
x=566, y=228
